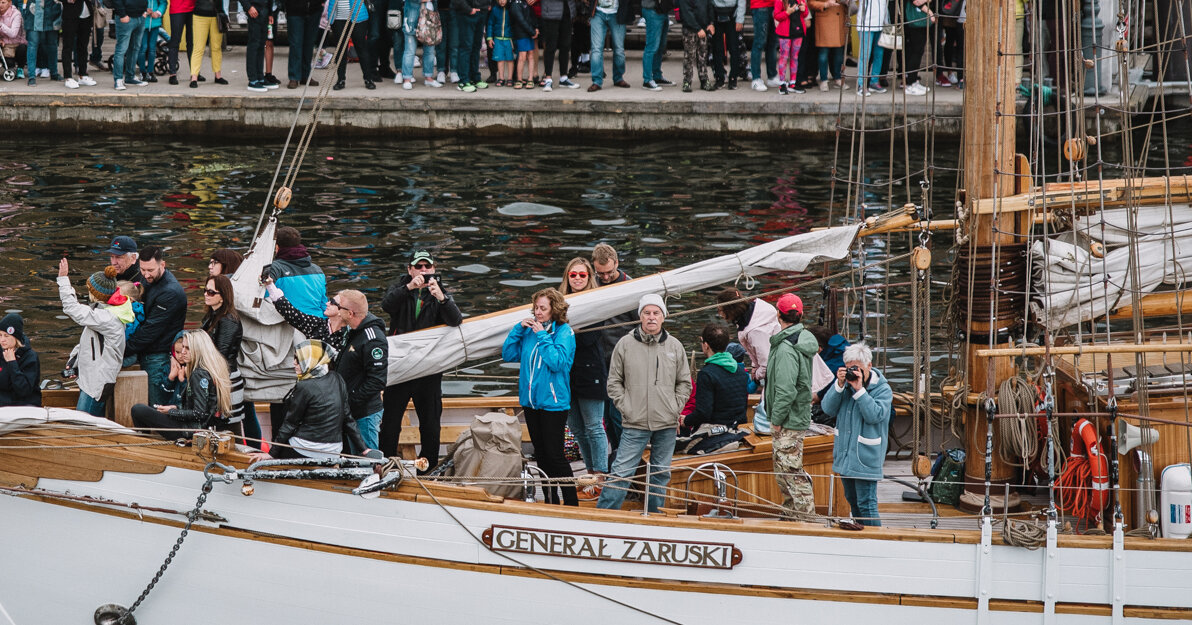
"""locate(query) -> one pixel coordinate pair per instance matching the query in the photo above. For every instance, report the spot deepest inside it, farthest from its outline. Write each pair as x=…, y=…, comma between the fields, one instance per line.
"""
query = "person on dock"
x=557, y=16
x=206, y=35
x=609, y=17
x=589, y=375
x=790, y=24
x=181, y=31
x=471, y=17
x=165, y=313
x=147, y=48
x=860, y=400
x=416, y=301
x=224, y=262
x=765, y=40
x=77, y=18
x=122, y=254
x=545, y=346
x=698, y=26
x=12, y=34
x=788, y=405
x=721, y=386
x=729, y=17
x=649, y=381
x=657, y=15
x=206, y=398
x=97, y=358
x=259, y=14
x=40, y=33
x=302, y=29
x=297, y=275
x=20, y=367
x=341, y=13
x=363, y=363
x=830, y=19
x=608, y=271
x=130, y=27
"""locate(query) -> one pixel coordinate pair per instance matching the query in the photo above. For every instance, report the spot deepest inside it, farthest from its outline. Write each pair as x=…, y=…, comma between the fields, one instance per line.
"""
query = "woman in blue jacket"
x=545, y=346
x=860, y=400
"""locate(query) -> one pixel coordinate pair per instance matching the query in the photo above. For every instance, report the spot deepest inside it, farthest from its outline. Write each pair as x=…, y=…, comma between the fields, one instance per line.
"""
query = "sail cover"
x=267, y=354
x=1072, y=285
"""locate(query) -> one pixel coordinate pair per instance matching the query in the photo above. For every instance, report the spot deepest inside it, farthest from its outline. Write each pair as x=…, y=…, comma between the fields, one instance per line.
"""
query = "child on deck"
x=147, y=56
x=525, y=31
x=789, y=16
x=500, y=41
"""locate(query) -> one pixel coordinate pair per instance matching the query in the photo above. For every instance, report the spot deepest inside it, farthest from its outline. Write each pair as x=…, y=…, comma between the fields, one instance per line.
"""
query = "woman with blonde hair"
x=545, y=346
x=589, y=374
x=207, y=398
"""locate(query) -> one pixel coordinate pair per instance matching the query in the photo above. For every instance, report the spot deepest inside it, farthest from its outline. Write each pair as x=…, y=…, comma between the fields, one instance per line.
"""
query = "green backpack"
x=947, y=477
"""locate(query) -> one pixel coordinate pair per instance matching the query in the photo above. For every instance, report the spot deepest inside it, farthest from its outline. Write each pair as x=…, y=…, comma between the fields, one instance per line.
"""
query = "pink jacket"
x=12, y=29
x=782, y=24
x=755, y=338
x=182, y=6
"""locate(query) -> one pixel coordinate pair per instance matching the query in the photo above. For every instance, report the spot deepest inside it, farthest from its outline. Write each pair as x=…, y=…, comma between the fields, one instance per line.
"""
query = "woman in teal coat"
x=860, y=401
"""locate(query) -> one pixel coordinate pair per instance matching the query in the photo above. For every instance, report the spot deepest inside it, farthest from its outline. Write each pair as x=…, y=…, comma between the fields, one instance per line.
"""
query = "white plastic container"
x=1175, y=504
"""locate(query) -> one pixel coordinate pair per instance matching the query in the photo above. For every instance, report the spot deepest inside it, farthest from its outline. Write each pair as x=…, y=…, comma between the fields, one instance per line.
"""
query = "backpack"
x=947, y=477
x=430, y=26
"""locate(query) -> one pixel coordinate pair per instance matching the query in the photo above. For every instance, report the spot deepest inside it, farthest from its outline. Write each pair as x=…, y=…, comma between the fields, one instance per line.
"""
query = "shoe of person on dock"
x=257, y=86
x=651, y=86
x=758, y=85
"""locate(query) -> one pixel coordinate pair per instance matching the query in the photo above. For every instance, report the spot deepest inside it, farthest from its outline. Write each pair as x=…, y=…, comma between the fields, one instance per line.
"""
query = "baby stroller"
x=10, y=73
x=161, y=61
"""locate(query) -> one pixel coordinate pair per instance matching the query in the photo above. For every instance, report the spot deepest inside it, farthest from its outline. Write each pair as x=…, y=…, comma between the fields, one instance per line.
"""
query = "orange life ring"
x=1086, y=474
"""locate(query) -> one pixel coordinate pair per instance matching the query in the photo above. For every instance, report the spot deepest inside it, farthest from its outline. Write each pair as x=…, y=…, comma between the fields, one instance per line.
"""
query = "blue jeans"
x=586, y=421
x=399, y=46
x=862, y=499
x=90, y=405
x=147, y=52
x=471, y=32
x=629, y=454
x=445, y=51
x=47, y=39
x=370, y=429
x=123, y=63
x=607, y=23
x=831, y=60
x=410, y=17
x=656, y=27
x=304, y=34
x=157, y=366
x=764, y=39
x=869, y=66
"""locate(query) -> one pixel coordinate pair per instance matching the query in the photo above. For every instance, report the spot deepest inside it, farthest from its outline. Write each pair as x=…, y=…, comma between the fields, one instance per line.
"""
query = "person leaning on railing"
x=860, y=401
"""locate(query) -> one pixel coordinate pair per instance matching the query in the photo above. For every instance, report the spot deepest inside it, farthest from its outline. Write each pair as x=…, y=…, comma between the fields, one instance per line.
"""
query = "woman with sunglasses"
x=222, y=324
x=589, y=374
x=545, y=346
x=207, y=397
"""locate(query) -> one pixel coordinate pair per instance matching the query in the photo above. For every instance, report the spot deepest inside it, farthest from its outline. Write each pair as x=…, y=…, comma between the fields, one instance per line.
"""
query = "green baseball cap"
x=421, y=255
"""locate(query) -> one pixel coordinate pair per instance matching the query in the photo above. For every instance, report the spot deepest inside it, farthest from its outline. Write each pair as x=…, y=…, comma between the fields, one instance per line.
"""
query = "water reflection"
x=500, y=218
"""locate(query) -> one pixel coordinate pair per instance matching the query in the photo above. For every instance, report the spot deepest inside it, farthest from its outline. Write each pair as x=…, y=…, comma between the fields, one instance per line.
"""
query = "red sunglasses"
x=578, y=274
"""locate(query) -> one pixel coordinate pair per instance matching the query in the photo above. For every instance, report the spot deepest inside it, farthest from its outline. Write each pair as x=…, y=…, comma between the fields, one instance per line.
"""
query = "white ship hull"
x=302, y=554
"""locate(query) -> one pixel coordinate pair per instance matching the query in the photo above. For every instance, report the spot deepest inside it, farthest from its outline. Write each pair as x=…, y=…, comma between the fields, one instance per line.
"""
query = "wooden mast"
x=989, y=163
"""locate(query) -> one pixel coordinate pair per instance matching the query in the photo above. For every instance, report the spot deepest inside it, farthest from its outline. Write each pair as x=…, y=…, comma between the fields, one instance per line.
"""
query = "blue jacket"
x=500, y=25
x=546, y=357
x=863, y=424
x=303, y=283
x=41, y=15
x=359, y=14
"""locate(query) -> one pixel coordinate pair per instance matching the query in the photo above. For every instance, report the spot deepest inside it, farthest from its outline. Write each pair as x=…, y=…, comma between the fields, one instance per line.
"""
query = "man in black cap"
x=416, y=301
x=123, y=256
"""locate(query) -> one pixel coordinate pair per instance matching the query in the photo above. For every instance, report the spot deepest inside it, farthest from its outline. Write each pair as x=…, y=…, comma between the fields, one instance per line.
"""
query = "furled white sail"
x=1072, y=285
x=268, y=342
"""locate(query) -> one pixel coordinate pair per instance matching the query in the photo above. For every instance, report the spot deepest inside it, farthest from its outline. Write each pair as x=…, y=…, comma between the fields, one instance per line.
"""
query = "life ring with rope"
x=1084, y=483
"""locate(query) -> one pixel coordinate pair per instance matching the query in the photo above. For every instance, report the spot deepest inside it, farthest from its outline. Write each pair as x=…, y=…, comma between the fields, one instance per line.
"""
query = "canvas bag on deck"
x=430, y=28
x=947, y=477
x=490, y=447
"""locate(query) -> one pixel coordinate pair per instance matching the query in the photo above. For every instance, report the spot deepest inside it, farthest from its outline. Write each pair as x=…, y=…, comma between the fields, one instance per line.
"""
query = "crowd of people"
x=526, y=44
x=621, y=387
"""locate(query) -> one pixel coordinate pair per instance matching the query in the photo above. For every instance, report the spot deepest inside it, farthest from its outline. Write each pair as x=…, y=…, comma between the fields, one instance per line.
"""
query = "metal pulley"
x=921, y=258
x=281, y=199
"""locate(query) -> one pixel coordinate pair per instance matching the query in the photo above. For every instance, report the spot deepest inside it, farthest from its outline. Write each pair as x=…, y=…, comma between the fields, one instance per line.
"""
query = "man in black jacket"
x=122, y=255
x=608, y=271
x=165, y=312
x=721, y=387
x=417, y=301
x=363, y=363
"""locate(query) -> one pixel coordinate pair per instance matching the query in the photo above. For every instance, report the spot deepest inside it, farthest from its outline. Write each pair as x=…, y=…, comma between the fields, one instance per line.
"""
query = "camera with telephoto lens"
x=853, y=373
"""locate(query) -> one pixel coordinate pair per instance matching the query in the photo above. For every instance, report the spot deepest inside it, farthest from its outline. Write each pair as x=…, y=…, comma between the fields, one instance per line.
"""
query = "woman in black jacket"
x=318, y=417
x=589, y=375
x=207, y=398
x=20, y=368
x=222, y=324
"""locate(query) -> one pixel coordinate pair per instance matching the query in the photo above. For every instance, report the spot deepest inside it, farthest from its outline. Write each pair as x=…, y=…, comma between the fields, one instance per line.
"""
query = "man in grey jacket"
x=649, y=381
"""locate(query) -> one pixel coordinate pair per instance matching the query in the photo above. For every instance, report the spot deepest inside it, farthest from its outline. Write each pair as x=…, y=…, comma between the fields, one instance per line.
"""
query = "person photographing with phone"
x=416, y=301
x=860, y=401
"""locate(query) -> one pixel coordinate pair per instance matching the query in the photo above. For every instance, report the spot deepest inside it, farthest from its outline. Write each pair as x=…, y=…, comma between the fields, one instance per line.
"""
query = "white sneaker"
x=417, y=62
x=241, y=18
x=916, y=89
x=43, y=73
x=758, y=85
x=397, y=80
x=407, y=85
x=651, y=86
x=72, y=83
x=773, y=82
x=441, y=78
x=454, y=77
x=431, y=82
x=548, y=85
x=566, y=82
x=120, y=85
x=862, y=93
x=86, y=81
x=585, y=57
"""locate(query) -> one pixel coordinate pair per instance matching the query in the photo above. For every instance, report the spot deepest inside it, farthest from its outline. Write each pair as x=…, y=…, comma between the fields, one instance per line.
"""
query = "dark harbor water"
x=363, y=206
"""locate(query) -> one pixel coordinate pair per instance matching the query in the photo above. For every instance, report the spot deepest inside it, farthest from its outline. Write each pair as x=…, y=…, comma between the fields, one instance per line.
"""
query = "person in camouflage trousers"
x=698, y=27
x=788, y=400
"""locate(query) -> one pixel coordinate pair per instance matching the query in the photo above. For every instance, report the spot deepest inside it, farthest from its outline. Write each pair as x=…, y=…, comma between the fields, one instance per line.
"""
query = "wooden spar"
x=1091, y=195
x=988, y=166
x=1068, y=350
x=1157, y=305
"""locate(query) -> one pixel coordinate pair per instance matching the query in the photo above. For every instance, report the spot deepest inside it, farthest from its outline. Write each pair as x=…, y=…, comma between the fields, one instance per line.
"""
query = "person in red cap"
x=788, y=400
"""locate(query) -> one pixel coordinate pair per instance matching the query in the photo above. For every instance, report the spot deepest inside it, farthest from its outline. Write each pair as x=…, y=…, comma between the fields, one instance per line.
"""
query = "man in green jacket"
x=788, y=400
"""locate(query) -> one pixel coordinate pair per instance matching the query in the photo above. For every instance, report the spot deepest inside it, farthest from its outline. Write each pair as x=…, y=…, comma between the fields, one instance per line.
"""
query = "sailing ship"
x=99, y=522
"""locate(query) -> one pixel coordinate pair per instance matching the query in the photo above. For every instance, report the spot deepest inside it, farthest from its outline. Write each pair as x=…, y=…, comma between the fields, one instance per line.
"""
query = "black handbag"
x=222, y=22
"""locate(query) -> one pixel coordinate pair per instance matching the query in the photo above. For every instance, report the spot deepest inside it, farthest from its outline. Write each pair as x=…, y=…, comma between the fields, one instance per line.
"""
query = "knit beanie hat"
x=103, y=283
x=651, y=299
x=14, y=325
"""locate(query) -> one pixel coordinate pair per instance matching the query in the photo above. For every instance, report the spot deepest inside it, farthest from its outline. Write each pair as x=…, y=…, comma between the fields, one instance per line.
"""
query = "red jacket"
x=182, y=6
x=782, y=21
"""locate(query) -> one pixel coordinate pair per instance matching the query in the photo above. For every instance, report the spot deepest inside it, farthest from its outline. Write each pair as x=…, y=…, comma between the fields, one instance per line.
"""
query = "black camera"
x=265, y=273
x=853, y=373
